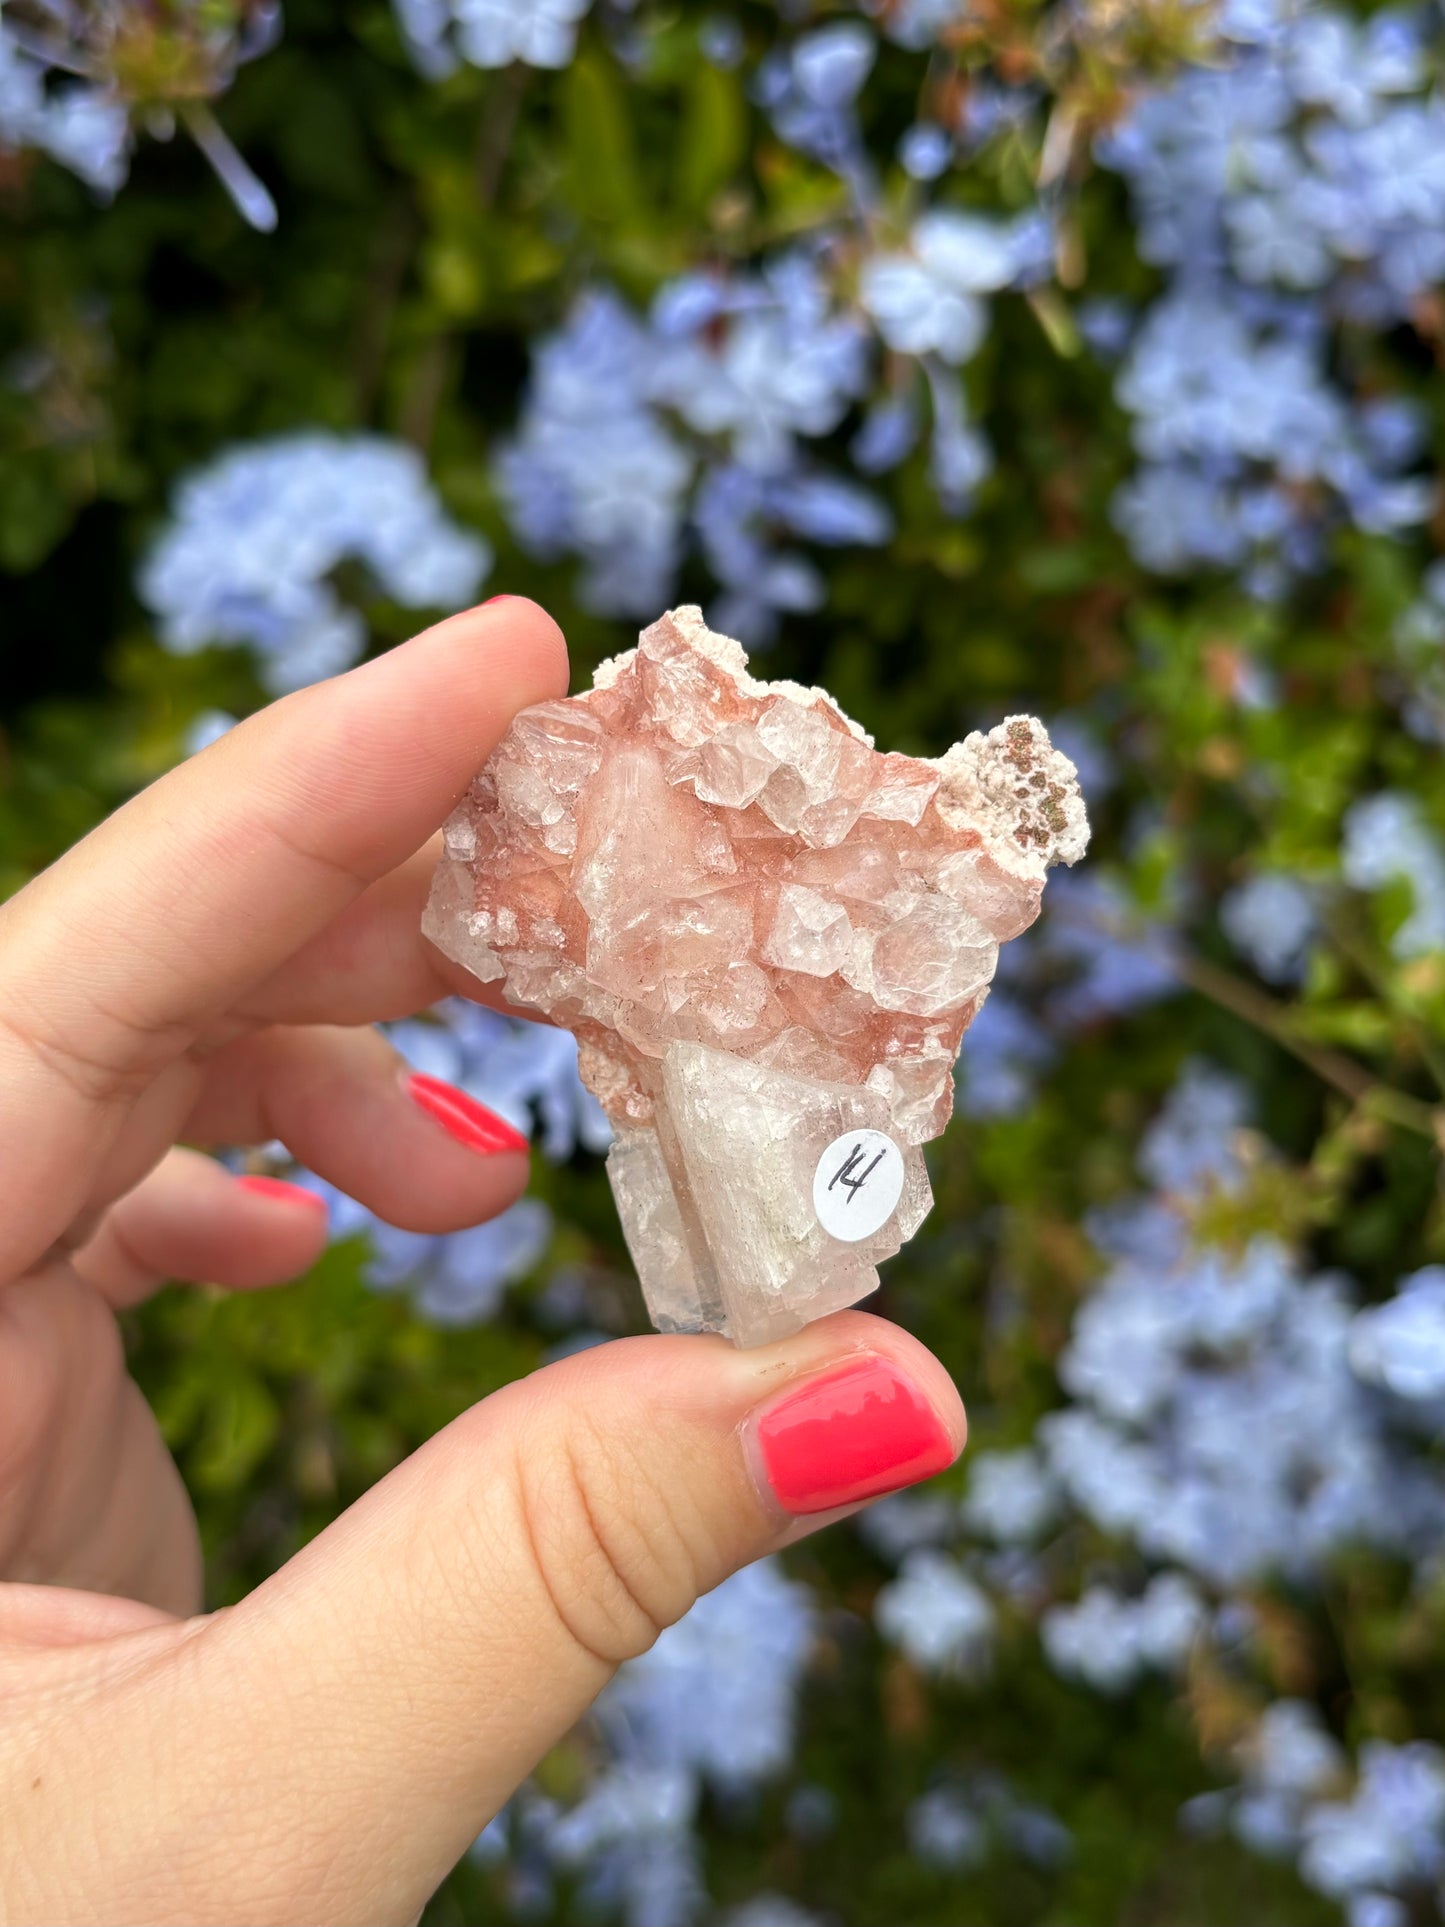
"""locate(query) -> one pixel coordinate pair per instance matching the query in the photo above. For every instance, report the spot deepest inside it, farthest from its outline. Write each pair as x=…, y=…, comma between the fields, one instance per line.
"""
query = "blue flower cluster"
x=1378, y=1845
x=256, y=536
x=1110, y=1641
x=711, y=1705
x=1309, y=158
x=643, y=436
x=1218, y=1423
x=525, y=1072
x=1293, y=185
x=1232, y=1418
x=937, y=1615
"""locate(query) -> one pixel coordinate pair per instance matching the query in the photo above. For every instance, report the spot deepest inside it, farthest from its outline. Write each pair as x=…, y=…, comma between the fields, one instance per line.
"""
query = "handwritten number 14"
x=843, y=1175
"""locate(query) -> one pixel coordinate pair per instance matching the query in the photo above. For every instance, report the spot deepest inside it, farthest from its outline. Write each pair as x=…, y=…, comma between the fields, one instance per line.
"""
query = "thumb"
x=366, y=1711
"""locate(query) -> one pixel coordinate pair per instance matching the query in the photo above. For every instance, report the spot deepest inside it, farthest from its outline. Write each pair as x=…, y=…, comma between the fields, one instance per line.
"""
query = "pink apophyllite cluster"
x=769, y=939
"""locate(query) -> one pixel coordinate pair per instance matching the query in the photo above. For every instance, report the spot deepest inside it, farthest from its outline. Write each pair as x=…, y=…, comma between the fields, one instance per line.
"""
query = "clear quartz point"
x=767, y=936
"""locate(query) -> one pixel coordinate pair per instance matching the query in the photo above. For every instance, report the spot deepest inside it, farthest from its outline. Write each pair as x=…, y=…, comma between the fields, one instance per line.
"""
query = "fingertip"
x=268, y=1232
x=279, y=1191
x=419, y=1153
x=370, y=764
x=866, y=1331
x=517, y=638
x=466, y=1121
x=840, y=1339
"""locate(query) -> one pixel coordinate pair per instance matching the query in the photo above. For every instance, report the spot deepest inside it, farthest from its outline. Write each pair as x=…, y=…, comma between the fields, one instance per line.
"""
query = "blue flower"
x=1118, y=960
x=959, y=457
x=1012, y=1496
x=1401, y=1344
x=888, y=434
x=58, y=94
x=631, y=1838
x=1271, y=919
x=593, y=468
x=938, y=1615
x=716, y=1696
x=927, y=301
x=925, y=151
x=256, y=536
x=79, y=124
x=1004, y=1049
x=1389, y=1833
x=946, y=1830
x=918, y=23
x=1386, y=839
x=459, y=1278
x=490, y=33
x=787, y=363
x=1109, y=1641
x=738, y=516
x=831, y=64
x=722, y=41
x=1192, y=1147
x=809, y=92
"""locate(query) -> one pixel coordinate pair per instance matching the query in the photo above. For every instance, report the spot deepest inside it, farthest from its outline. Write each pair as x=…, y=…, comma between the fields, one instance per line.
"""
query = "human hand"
x=203, y=967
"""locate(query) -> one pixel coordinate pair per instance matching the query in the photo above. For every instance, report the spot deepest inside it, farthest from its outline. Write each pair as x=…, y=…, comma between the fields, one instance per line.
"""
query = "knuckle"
x=608, y=1540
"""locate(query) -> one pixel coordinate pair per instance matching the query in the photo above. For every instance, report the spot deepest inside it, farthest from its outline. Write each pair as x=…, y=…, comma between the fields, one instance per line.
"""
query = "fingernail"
x=495, y=598
x=282, y=1192
x=848, y=1435
x=462, y=1117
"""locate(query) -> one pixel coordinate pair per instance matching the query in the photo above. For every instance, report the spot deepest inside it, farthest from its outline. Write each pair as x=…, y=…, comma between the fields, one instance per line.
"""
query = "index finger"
x=120, y=957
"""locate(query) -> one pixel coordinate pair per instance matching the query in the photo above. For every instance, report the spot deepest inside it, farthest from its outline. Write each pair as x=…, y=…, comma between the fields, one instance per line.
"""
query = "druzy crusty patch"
x=769, y=938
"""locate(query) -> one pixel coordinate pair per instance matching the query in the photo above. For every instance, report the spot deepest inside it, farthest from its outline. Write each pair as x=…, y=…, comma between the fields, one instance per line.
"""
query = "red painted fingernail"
x=462, y=1117
x=850, y=1434
x=281, y=1191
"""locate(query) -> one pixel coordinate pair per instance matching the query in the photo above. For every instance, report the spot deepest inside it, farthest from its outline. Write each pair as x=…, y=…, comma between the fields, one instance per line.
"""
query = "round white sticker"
x=857, y=1185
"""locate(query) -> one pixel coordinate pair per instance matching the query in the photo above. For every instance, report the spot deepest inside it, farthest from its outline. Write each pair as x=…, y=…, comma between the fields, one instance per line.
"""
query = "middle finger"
x=344, y=1104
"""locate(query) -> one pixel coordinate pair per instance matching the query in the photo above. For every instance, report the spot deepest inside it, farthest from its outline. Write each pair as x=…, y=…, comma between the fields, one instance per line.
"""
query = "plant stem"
x=1343, y=1073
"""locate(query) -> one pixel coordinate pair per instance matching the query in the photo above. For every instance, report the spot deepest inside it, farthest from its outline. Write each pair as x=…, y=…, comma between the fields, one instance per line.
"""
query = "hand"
x=203, y=968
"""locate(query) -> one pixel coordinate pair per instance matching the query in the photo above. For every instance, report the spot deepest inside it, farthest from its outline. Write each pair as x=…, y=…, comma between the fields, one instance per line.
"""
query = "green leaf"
x=239, y=1428
x=34, y=514
x=714, y=134
x=602, y=177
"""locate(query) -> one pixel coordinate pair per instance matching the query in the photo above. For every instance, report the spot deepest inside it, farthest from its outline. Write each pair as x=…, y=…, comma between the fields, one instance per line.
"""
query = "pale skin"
x=203, y=970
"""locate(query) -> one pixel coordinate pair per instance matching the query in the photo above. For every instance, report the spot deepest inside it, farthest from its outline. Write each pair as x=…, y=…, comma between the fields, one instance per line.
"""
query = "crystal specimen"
x=769, y=939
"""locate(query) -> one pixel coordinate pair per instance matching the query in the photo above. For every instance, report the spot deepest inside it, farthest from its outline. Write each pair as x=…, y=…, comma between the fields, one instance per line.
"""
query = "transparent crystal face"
x=765, y=933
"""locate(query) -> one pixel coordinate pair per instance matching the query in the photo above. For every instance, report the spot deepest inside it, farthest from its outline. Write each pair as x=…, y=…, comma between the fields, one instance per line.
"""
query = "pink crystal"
x=767, y=937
